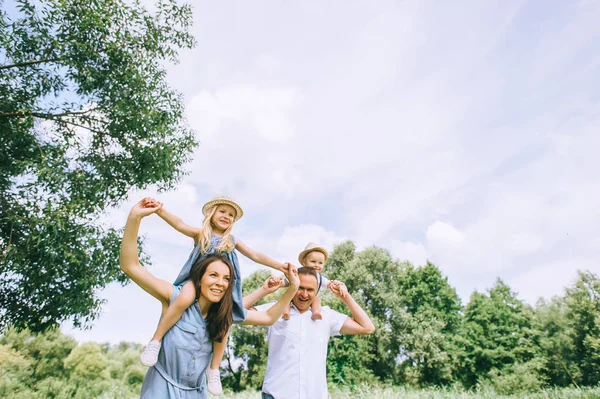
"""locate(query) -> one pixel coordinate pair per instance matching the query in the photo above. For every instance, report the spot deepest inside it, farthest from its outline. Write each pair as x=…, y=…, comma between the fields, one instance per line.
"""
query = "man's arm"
x=360, y=323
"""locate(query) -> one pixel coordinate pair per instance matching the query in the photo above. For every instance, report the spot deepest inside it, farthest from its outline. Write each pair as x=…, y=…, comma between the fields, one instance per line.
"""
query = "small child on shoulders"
x=314, y=257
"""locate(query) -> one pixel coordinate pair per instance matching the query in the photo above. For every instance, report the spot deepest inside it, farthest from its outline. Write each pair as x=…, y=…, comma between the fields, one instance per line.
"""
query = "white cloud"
x=263, y=111
x=413, y=252
x=444, y=237
x=450, y=135
x=524, y=243
x=550, y=279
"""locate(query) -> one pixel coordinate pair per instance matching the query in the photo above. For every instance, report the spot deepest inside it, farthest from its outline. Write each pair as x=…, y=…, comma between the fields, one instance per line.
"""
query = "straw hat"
x=220, y=200
x=310, y=247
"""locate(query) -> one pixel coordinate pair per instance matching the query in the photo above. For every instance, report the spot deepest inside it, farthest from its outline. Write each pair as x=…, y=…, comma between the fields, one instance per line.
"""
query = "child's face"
x=223, y=218
x=315, y=260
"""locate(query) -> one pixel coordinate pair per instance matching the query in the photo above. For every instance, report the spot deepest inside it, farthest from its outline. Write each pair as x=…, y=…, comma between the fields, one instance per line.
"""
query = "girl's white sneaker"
x=149, y=355
x=214, y=381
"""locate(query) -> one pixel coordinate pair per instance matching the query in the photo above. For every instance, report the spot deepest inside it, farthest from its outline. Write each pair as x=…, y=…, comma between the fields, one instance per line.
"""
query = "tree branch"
x=9, y=241
x=44, y=115
x=28, y=63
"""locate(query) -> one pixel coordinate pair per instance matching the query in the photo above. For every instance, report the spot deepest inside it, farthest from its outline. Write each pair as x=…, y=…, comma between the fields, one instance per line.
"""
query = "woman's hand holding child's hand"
x=144, y=208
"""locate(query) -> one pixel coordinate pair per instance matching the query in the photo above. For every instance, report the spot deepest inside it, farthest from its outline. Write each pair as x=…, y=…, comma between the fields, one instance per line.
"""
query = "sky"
x=464, y=134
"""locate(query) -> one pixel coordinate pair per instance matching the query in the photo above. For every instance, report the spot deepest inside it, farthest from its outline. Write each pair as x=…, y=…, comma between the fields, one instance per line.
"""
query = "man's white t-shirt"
x=296, y=365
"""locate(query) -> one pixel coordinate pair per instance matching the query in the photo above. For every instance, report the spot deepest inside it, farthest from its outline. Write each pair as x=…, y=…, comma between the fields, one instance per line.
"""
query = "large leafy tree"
x=498, y=342
x=583, y=312
x=556, y=343
x=86, y=115
x=415, y=311
x=248, y=344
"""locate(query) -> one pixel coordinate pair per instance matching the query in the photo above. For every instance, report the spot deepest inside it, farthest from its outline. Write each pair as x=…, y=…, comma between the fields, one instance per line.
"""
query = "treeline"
x=52, y=365
x=424, y=338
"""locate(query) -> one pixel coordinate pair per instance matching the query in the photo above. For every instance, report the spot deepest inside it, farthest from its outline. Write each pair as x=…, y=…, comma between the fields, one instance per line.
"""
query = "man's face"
x=306, y=292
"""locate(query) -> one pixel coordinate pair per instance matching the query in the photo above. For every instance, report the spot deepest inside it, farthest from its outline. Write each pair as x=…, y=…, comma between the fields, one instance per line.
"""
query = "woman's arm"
x=270, y=285
x=271, y=315
x=130, y=262
x=258, y=257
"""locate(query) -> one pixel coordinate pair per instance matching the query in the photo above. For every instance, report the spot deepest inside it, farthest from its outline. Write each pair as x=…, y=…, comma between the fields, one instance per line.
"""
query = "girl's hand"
x=144, y=208
x=272, y=284
x=285, y=267
x=149, y=202
x=292, y=275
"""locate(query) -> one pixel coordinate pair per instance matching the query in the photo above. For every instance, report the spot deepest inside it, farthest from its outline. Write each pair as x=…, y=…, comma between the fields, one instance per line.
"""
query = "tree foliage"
x=424, y=338
x=86, y=115
x=52, y=365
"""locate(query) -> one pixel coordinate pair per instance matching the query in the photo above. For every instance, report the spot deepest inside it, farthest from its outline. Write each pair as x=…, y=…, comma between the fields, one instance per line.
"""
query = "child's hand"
x=286, y=265
x=272, y=284
x=339, y=289
x=343, y=289
x=292, y=275
x=150, y=202
x=144, y=208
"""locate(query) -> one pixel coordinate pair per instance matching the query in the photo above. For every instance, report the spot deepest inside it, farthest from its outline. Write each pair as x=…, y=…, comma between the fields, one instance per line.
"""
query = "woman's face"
x=215, y=281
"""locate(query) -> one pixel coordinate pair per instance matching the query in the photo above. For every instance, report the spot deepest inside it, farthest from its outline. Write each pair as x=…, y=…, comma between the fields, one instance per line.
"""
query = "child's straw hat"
x=220, y=200
x=310, y=247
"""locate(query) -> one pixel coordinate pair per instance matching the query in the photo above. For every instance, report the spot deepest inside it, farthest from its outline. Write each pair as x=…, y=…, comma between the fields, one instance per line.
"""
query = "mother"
x=187, y=347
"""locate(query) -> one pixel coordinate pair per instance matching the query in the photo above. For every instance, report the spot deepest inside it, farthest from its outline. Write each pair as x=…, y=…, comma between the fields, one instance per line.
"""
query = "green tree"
x=86, y=114
x=415, y=312
x=583, y=312
x=556, y=343
x=497, y=341
x=15, y=373
x=47, y=351
x=248, y=344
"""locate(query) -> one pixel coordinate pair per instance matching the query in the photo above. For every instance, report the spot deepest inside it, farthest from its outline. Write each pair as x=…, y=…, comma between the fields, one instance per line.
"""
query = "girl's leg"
x=186, y=297
x=212, y=372
x=316, y=309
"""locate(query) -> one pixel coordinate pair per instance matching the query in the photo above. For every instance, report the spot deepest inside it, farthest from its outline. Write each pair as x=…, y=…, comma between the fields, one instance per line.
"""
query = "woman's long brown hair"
x=219, y=318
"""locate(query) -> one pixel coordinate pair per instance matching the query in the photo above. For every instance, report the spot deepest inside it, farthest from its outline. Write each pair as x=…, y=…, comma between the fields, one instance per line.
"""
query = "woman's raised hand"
x=272, y=284
x=145, y=207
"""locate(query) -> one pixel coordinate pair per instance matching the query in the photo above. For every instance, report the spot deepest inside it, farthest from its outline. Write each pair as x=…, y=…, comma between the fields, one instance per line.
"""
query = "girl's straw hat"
x=220, y=200
x=310, y=247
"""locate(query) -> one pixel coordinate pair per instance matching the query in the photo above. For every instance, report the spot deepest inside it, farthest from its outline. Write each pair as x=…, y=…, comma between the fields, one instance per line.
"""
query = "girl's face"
x=223, y=218
x=215, y=281
x=315, y=260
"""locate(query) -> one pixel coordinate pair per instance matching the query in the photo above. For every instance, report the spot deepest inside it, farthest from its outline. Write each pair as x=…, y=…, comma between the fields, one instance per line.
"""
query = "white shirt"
x=296, y=365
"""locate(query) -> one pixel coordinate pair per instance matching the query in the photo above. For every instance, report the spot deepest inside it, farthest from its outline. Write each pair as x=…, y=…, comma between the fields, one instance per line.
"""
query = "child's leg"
x=186, y=297
x=316, y=309
x=214, y=377
x=218, y=352
x=286, y=312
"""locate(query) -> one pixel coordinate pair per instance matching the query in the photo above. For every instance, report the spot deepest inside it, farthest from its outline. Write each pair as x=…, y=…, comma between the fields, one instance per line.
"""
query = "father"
x=296, y=363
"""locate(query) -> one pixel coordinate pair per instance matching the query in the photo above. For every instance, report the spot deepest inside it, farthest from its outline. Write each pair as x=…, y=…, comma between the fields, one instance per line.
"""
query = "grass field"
x=407, y=393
